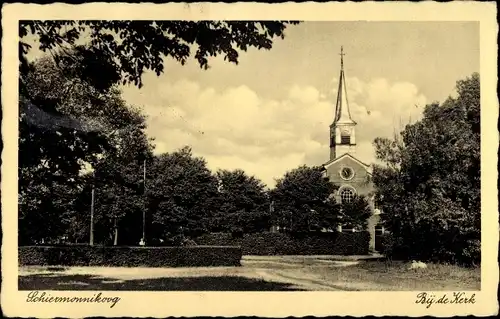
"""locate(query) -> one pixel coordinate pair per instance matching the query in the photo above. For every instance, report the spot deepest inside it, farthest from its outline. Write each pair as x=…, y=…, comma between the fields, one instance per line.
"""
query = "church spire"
x=342, y=130
x=342, y=112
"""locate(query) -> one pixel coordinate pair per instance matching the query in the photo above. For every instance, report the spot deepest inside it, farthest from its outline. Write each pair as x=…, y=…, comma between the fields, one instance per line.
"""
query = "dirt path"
x=293, y=271
x=257, y=273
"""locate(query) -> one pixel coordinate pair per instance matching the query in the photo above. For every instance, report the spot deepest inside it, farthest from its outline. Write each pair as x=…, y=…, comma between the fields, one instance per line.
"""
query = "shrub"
x=444, y=237
x=189, y=256
x=293, y=244
x=387, y=245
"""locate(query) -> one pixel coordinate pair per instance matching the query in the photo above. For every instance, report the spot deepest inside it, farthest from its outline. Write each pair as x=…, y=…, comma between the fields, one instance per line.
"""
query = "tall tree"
x=303, y=200
x=120, y=189
x=355, y=213
x=244, y=205
x=182, y=196
x=430, y=187
x=64, y=124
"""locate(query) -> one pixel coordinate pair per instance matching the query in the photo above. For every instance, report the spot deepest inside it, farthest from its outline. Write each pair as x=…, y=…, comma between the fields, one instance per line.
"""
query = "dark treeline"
x=72, y=115
x=430, y=185
x=97, y=145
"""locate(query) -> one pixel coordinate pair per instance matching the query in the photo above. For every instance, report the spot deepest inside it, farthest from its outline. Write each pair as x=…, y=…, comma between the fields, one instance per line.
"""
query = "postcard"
x=272, y=160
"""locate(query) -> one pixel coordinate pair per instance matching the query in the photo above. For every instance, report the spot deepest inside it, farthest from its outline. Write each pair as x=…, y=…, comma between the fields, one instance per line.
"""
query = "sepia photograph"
x=247, y=155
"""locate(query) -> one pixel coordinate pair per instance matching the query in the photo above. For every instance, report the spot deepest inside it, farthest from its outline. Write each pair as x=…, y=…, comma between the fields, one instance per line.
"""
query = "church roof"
x=335, y=160
x=342, y=112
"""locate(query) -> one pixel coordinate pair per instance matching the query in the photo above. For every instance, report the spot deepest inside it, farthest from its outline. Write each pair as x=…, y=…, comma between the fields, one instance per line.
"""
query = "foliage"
x=356, y=212
x=125, y=49
x=63, y=124
x=303, y=201
x=119, y=185
x=182, y=195
x=243, y=203
x=430, y=189
x=80, y=255
x=55, y=145
x=267, y=243
x=387, y=245
x=71, y=114
x=43, y=211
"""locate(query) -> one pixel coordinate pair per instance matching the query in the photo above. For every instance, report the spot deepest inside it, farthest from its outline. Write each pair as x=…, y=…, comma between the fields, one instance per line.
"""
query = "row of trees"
x=79, y=137
x=430, y=184
x=182, y=198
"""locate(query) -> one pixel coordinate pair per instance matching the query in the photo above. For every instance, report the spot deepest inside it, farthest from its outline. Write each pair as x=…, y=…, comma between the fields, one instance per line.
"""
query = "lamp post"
x=143, y=240
x=92, y=211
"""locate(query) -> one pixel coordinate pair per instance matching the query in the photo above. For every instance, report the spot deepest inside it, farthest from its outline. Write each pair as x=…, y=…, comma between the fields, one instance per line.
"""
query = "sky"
x=271, y=112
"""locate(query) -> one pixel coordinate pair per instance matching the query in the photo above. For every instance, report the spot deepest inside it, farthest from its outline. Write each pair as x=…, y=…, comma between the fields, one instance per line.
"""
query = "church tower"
x=352, y=176
x=342, y=130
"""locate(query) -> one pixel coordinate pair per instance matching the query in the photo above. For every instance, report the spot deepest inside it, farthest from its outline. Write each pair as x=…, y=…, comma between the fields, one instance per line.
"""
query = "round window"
x=346, y=173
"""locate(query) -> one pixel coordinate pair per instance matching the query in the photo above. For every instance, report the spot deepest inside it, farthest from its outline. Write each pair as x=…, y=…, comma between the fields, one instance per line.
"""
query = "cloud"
x=379, y=107
x=236, y=128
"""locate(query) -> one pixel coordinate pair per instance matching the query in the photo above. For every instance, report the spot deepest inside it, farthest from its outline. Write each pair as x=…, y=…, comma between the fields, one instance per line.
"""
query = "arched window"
x=347, y=194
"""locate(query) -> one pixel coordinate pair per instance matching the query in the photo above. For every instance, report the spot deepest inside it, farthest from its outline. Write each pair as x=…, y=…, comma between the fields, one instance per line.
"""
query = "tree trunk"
x=115, y=242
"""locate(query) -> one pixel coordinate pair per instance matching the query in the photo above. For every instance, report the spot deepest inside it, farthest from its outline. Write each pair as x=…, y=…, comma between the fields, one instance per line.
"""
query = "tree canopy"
x=303, y=200
x=120, y=50
x=355, y=213
x=182, y=195
x=430, y=187
x=64, y=125
x=244, y=205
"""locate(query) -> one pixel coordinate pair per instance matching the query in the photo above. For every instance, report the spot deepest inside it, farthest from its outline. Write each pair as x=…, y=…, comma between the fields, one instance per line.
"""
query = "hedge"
x=195, y=256
x=265, y=244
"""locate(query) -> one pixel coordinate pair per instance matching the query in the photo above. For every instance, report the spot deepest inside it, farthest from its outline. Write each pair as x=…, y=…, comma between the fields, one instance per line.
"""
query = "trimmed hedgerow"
x=293, y=244
x=196, y=256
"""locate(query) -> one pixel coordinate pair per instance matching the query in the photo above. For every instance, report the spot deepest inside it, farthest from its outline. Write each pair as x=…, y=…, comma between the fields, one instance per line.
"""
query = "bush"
x=266, y=244
x=387, y=245
x=188, y=256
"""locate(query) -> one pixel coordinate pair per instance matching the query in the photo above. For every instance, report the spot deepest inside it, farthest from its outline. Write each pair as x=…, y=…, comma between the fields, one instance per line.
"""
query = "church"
x=344, y=169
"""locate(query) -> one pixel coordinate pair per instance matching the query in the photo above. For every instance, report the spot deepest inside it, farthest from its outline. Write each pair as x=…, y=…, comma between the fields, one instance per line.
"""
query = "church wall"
x=372, y=223
x=340, y=150
x=360, y=181
x=363, y=185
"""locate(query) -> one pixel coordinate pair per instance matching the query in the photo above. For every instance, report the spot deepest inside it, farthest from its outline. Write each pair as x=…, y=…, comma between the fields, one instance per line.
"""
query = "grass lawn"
x=257, y=274
x=397, y=277
x=91, y=282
